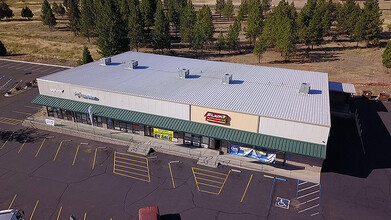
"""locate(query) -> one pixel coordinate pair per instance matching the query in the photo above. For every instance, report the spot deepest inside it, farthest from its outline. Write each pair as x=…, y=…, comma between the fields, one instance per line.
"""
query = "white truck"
x=11, y=214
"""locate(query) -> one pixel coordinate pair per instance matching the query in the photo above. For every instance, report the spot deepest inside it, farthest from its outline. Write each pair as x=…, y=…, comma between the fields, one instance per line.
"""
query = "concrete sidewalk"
x=143, y=145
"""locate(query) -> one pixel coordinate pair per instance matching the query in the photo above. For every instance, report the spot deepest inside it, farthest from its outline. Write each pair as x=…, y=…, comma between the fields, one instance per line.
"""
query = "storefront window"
x=116, y=125
x=50, y=111
x=97, y=121
x=196, y=141
x=136, y=129
x=110, y=123
x=122, y=126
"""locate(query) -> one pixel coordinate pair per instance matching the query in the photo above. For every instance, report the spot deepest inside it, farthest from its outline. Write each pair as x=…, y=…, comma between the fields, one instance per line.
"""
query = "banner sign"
x=49, y=122
x=252, y=153
x=163, y=134
x=215, y=117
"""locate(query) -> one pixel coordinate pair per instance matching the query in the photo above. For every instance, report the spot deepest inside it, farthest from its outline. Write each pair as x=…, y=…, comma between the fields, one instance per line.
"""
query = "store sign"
x=57, y=90
x=49, y=122
x=215, y=117
x=252, y=153
x=163, y=134
x=84, y=96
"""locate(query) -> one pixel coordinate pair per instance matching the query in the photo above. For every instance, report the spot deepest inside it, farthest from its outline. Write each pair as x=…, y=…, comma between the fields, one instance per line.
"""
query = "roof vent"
x=227, y=78
x=105, y=61
x=133, y=64
x=183, y=73
x=305, y=88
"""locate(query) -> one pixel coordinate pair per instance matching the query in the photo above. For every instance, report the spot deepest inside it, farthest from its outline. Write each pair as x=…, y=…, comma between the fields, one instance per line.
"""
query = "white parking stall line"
x=308, y=194
x=8, y=65
x=302, y=183
x=19, y=61
x=1, y=87
x=317, y=213
x=22, y=66
x=49, y=68
x=308, y=208
x=39, y=67
x=308, y=187
x=309, y=201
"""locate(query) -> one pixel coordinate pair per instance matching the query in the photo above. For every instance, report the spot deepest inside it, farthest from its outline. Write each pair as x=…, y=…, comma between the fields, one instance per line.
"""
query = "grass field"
x=31, y=41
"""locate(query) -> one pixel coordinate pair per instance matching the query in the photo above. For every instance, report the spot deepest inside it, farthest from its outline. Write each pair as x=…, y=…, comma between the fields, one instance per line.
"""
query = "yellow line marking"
x=32, y=107
x=40, y=147
x=224, y=181
x=217, y=177
x=218, y=187
x=24, y=113
x=195, y=179
x=131, y=160
x=149, y=176
x=85, y=216
x=172, y=178
x=59, y=213
x=210, y=171
x=125, y=171
x=131, y=177
x=74, y=159
x=115, y=153
x=4, y=144
x=58, y=150
x=12, y=202
x=209, y=192
x=35, y=207
x=20, y=149
x=131, y=155
x=136, y=165
x=245, y=191
x=10, y=121
x=117, y=165
x=93, y=163
x=210, y=180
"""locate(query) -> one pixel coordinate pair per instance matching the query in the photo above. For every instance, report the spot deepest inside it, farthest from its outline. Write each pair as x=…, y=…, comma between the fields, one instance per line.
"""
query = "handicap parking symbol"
x=282, y=203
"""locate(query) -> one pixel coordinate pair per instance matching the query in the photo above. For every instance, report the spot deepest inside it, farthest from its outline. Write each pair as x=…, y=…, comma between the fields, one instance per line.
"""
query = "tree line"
x=6, y=12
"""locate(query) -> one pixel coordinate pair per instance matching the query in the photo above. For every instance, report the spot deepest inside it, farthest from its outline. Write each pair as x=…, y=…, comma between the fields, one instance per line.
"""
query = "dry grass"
x=30, y=40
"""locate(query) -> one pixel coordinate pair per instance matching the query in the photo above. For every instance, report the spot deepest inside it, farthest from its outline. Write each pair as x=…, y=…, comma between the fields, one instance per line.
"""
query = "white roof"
x=258, y=90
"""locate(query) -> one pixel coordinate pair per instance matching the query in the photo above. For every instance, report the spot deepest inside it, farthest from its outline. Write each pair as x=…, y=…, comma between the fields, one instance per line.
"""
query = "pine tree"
x=148, y=8
x=259, y=48
x=305, y=17
x=254, y=22
x=87, y=20
x=161, y=32
x=136, y=28
x=54, y=7
x=26, y=13
x=188, y=20
x=3, y=50
x=199, y=33
x=347, y=17
x=372, y=16
x=359, y=30
x=61, y=10
x=124, y=9
x=228, y=9
x=266, y=4
x=220, y=6
x=207, y=22
x=314, y=31
x=47, y=15
x=74, y=16
x=220, y=45
x=174, y=12
x=87, y=58
x=5, y=11
x=243, y=10
x=232, y=37
x=386, y=56
x=111, y=30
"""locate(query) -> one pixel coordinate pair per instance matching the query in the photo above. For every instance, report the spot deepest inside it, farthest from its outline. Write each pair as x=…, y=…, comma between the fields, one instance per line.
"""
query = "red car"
x=149, y=213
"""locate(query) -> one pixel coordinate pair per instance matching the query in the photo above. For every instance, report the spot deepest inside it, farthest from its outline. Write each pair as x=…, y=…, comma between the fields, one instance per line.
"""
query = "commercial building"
x=256, y=111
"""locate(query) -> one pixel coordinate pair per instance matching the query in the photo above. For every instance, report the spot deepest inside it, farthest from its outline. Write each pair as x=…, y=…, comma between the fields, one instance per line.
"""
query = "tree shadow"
x=21, y=135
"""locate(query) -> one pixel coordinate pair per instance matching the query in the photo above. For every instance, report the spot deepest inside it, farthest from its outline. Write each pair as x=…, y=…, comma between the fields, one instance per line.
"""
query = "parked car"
x=148, y=213
x=11, y=214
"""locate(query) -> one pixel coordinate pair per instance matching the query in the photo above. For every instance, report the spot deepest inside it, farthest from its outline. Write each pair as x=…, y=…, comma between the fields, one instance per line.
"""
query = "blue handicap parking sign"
x=282, y=203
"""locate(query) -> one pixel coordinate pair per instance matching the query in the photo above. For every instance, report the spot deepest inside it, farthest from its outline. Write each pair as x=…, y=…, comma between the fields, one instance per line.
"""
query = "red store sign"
x=215, y=117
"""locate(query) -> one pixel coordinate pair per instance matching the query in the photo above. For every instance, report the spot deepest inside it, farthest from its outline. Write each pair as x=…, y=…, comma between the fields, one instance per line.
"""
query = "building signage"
x=49, y=122
x=163, y=134
x=84, y=96
x=252, y=153
x=57, y=90
x=215, y=117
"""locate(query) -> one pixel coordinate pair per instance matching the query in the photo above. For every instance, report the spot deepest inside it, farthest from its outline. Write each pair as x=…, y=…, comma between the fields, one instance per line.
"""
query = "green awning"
x=260, y=141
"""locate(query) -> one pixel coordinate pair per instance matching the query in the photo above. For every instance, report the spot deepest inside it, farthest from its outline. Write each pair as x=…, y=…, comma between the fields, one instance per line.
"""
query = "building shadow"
x=347, y=154
x=170, y=217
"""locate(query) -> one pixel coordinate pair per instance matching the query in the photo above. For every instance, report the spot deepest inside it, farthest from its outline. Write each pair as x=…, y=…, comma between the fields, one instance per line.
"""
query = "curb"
x=44, y=64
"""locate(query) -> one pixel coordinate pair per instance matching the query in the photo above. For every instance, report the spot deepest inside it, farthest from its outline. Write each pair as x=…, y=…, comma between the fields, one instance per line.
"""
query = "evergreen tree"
x=5, y=11
x=188, y=20
x=26, y=13
x=124, y=9
x=161, y=32
x=207, y=23
x=111, y=30
x=47, y=15
x=266, y=4
x=372, y=16
x=66, y=3
x=87, y=58
x=259, y=48
x=304, y=18
x=220, y=6
x=228, y=9
x=232, y=37
x=314, y=31
x=243, y=10
x=136, y=28
x=54, y=7
x=61, y=10
x=199, y=33
x=347, y=17
x=3, y=50
x=254, y=21
x=74, y=16
x=386, y=56
x=174, y=12
x=220, y=45
x=148, y=8
x=87, y=20
x=359, y=30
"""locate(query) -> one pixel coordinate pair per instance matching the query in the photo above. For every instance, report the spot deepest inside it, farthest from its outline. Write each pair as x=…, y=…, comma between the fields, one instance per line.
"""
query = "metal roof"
x=258, y=90
x=233, y=135
x=342, y=87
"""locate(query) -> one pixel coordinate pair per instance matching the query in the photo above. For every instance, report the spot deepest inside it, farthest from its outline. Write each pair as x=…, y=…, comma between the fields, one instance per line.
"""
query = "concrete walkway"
x=143, y=145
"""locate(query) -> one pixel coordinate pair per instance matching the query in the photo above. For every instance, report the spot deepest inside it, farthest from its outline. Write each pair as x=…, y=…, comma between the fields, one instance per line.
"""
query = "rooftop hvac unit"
x=133, y=64
x=105, y=61
x=305, y=88
x=183, y=73
x=227, y=78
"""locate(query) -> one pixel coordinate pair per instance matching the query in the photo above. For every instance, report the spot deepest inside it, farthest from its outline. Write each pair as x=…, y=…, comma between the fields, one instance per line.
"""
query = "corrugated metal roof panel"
x=259, y=90
x=222, y=133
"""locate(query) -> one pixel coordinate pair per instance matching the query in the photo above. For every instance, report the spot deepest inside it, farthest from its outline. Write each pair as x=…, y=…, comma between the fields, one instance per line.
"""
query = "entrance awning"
x=260, y=141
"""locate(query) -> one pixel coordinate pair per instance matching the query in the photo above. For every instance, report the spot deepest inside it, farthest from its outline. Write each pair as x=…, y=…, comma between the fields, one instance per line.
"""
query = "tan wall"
x=237, y=120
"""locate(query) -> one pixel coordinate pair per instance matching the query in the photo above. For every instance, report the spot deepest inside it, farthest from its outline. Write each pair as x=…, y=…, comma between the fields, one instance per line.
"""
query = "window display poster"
x=252, y=153
x=163, y=134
